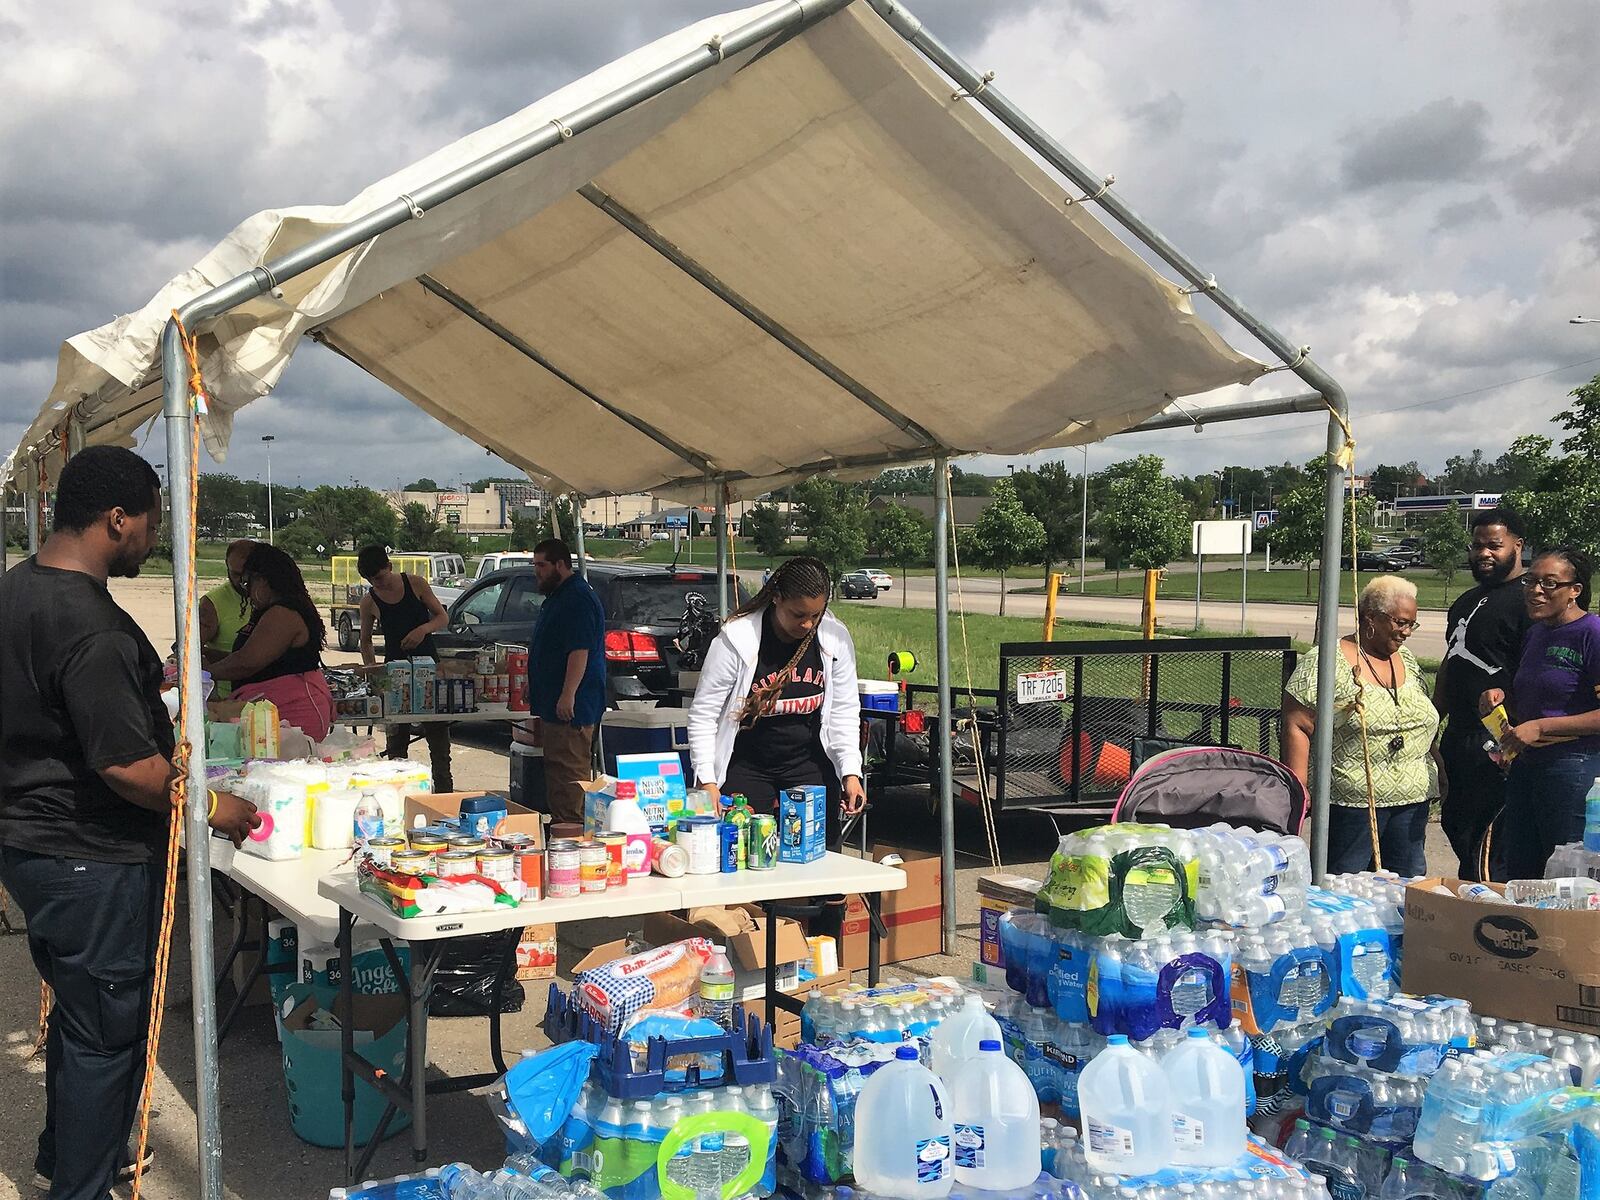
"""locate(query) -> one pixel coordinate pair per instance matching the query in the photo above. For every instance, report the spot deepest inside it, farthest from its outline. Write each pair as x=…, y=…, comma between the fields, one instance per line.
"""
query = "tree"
x=1445, y=543
x=765, y=526
x=418, y=525
x=1562, y=507
x=1524, y=465
x=421, y=485
x=341, y=515
x=300, y=539
x=1143, y=523
x=902, y=537
x=526, y=532
x=1051, y=495
x=227, y=505
x=1385, y=482
x=1296, y=536
x=834, y=518
x=1466, y=473
x=1006, y=536
x=566, y=521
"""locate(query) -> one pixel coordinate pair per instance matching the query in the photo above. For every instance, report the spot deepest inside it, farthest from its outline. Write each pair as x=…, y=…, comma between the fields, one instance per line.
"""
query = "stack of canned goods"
x=511, y=860
x=743, y=840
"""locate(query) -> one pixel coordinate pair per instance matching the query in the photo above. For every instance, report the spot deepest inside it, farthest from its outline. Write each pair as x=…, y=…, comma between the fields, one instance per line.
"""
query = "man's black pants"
x=91, y=928
x=1477, y=791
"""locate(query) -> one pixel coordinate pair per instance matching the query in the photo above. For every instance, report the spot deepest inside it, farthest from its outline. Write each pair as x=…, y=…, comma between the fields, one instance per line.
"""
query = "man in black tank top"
x=405, y=606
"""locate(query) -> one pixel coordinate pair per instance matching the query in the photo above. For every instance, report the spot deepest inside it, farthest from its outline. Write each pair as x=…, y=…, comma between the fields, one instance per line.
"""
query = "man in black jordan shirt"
x=1483, y=638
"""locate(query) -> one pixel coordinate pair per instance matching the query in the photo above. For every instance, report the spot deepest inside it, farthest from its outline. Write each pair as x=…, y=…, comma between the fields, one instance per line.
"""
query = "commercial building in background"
x=1402, y=511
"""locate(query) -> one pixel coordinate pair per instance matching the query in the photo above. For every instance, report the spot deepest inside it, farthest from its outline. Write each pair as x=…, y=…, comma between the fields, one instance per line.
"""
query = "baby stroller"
x=1191, y=786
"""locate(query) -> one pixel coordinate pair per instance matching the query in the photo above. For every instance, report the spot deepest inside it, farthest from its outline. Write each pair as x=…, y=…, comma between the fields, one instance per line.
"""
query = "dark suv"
x=644, y=607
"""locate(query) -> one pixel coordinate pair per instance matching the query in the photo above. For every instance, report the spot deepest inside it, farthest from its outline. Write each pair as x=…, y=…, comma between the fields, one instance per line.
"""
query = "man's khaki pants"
x=568, y=765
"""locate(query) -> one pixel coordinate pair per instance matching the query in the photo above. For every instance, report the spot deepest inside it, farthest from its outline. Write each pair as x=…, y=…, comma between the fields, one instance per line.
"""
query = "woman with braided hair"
x=777, y=704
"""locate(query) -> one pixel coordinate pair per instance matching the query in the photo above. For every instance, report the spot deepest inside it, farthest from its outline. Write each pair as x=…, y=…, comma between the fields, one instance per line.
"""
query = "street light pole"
x=1083, y=529
x=268, y=439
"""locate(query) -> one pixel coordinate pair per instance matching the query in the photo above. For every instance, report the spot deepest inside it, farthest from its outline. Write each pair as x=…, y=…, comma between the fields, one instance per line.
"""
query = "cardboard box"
x=747, y=950
x=433, y=807
x=536, y=952
x=998, y=895
x=913, y=917
x=1507, y=960
x=423, y=672
x=396, y=684
x=803, y=824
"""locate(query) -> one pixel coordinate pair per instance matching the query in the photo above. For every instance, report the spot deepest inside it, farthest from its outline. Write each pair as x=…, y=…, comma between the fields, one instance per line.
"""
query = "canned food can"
x=381, y=849
x=593, y=866
x=512, y=841
x=530, y=873
x=616, y=865
x=429, y=843
x=698, y=837
x=413, y=862
x=485, y=663
x=454, y=864
x=443, y=832
x=762, y=852
x=498, y=865
x=562, y=870
x=468, y=841
x=727, y=847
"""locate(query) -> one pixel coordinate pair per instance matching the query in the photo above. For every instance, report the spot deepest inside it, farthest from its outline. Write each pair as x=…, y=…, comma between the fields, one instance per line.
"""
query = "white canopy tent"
x=778, y=242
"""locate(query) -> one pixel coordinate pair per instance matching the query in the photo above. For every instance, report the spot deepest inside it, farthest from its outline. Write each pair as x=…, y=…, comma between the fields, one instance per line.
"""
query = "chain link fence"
x=1075, y=718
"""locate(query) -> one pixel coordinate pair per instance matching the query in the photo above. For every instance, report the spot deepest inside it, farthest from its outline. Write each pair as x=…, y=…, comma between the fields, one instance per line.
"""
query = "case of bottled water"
x=1284, y=976
x=1136, y=880
x=1579, y=1052
x=1408, y=1035
x=886, y=1014
x=1483, y=1098
x=1573, y=860
x=1359, y=1100
x=1247, y=878
x=817, y=1091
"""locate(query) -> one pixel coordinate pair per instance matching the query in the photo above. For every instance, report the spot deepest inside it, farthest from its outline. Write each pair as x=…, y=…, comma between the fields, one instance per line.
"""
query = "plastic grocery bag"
x=543, y=1088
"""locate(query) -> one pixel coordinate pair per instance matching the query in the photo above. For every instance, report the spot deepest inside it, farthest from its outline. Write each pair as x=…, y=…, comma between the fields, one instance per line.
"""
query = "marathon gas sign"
x=1265, y=517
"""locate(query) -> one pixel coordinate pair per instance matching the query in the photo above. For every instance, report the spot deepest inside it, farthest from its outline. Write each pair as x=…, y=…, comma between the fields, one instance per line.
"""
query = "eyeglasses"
x=1548, y=583
x=1406, y=627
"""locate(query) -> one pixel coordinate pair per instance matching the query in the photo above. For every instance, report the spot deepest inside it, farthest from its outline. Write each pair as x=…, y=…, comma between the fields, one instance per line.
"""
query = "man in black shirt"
x=85, y=771
x=1483, y=639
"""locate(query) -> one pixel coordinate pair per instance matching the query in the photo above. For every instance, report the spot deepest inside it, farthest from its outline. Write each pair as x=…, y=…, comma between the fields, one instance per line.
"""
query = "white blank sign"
x=1221, y=537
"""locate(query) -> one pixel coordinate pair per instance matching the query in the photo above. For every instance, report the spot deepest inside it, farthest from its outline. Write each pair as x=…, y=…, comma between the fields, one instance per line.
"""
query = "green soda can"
x=762, y=854
x=739, y=816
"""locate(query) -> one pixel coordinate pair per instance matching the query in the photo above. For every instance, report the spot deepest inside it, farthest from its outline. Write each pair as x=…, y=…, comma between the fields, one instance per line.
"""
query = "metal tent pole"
x=1328, y=655
x=178, y=409
x=941, y=634
x=31, y=508
x=722, y=551
x=577, y=530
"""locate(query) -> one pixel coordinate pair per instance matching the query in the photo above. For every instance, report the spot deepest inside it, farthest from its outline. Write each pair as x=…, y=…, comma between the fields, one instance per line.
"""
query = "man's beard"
x=1495, y=572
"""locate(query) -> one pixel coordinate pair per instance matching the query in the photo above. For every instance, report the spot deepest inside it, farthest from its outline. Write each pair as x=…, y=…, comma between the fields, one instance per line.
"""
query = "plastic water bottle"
x=958, y=1036
x=1127, y=1118
x=716, y=988
x=903, y=1131
x=1206, y=1086
x=368, y=819
x=995, y=1112
x=1591, y=818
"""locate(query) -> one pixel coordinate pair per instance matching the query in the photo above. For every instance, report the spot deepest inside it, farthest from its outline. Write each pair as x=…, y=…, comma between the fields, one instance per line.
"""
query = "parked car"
x=1374, y=560
x=858, y=585
x=644, y=606
x=1403, y=557
x=881, y=578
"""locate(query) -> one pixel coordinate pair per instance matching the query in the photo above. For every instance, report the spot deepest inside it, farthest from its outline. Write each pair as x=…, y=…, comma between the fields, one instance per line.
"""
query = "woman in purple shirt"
x=1554, y=705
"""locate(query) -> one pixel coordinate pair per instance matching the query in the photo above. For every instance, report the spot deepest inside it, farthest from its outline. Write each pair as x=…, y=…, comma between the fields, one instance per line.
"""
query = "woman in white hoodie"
x=777, y=704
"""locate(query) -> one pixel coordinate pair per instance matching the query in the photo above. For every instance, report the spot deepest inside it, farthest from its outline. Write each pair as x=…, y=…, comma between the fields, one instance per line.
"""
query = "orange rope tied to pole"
x=179, y=787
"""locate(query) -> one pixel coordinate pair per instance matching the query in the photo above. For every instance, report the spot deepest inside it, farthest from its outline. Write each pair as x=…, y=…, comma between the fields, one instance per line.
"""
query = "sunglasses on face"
x=1547, y=583
x=1403, y=626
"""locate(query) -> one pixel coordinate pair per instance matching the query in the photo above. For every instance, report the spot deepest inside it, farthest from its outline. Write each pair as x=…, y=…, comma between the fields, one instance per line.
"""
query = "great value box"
x=1507, y=960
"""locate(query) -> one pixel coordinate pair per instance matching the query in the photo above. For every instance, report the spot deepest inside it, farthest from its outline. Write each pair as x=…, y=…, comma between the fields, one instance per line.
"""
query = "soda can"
x=381, y=849
x=728, y=843
x=762, y=852
x=530, y=873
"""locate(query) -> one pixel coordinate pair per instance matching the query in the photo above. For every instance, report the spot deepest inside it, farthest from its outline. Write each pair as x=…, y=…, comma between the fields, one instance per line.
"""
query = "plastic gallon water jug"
x=995, y=1113
x=1206, y=1089
x=957, y=1038
x=1127, y=1118
x=903, y=1132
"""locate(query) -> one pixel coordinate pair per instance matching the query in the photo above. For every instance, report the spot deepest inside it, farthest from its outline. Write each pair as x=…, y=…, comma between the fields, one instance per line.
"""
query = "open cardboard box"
x=1508, y=960
x=446, y=806
x=913, y=917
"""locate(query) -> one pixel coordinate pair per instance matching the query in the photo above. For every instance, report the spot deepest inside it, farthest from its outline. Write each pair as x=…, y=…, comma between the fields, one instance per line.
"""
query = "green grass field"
x=1283, y=585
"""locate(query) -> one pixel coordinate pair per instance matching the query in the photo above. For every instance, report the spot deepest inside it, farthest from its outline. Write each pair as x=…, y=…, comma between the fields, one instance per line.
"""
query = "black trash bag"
x=463, y=984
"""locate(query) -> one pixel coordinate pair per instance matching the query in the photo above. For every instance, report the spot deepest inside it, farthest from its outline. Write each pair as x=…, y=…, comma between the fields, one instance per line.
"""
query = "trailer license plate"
x=1037, y=687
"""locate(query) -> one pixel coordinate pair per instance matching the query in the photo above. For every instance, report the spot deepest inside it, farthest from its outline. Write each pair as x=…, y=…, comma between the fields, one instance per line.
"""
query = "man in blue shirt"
x=566, y=676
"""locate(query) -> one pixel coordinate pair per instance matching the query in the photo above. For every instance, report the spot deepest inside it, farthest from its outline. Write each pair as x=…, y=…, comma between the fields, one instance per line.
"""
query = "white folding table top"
x=290, y=886
x=832, y=875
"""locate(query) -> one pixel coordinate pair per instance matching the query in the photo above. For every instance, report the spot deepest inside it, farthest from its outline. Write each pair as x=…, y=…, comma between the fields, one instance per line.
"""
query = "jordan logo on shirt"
x=1457, y=645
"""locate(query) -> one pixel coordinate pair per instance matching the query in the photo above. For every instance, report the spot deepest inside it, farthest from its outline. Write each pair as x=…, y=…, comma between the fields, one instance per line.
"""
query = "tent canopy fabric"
x=809, y=257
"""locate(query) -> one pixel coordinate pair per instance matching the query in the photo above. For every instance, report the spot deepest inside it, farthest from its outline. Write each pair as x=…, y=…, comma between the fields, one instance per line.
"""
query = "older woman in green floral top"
x=1375, y=671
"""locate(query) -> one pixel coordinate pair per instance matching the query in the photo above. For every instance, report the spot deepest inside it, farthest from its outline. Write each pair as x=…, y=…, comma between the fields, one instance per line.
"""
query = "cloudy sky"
x=1411, y=188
